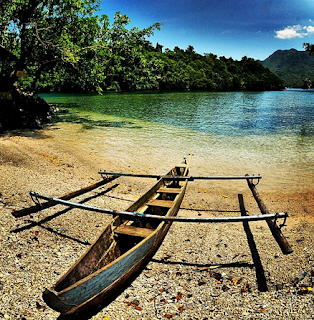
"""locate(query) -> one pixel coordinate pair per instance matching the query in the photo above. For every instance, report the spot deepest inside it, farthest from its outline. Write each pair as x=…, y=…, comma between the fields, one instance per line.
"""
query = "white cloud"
x=289, y=32
x=309, y=29
x=296, y=31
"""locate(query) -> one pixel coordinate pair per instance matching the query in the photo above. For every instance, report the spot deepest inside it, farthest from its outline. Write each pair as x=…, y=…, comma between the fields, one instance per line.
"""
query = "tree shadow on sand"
x=88, y=123
x=64, y=115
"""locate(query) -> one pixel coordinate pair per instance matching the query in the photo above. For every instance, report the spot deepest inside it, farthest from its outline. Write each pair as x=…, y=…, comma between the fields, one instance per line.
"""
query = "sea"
x=229, y=133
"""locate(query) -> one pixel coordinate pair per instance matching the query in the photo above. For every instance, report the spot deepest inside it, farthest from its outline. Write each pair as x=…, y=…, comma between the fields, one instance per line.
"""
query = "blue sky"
x=230, y=28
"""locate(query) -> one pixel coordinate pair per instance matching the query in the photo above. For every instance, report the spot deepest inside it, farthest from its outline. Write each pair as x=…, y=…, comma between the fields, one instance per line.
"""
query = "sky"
x=230, y=28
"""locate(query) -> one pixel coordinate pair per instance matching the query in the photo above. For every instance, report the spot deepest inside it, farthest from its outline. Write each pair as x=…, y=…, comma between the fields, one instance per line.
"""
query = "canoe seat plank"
x=133, y=231
x=160, y=203
x=169, y=190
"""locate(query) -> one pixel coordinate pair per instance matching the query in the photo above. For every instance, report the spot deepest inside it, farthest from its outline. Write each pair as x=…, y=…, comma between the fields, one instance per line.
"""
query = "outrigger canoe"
x=127, y=244
x=122, y=250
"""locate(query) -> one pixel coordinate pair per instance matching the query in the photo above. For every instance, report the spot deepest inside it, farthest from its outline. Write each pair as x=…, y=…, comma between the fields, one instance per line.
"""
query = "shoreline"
x=59, y=151
x=35, y=257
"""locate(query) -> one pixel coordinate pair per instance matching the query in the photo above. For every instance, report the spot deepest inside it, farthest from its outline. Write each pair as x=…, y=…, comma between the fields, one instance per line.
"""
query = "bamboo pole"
x=190, y=178
x=136, y=215
x=45, y=205
x=188, y=164
x=275, y=230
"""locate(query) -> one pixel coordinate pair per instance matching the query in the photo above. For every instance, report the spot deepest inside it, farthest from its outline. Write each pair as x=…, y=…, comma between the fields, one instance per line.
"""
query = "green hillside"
x=291, y=66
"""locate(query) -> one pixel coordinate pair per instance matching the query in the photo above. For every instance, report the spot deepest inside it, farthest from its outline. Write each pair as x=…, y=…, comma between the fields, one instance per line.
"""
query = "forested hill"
x=57, y=46
x=292, y=66
x=69, y=48
x=132, y=66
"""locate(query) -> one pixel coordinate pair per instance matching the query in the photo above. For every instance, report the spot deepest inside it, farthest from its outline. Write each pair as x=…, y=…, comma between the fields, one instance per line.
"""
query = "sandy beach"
x=201, y=271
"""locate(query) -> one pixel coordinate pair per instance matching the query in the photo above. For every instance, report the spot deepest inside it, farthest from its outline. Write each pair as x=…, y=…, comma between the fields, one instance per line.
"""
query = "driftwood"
x=275, y=230
x=48, y=204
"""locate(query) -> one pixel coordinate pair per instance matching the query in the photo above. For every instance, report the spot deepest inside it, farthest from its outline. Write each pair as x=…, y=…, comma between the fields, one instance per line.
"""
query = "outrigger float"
x=127, y=244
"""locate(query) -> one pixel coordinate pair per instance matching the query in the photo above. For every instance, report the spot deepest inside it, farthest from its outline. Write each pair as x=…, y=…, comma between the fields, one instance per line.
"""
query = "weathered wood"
x=186, y=170
x=88, y=262
x=260, y=274
x=130, y=254
x=139, y=215
x=133, y=231
x=169, y=190
x=151, y=193
x=179, y=177
x=46, y=205
x=110, y=255
x=275, y=230
x=160, y=203
x=94, y=284
x=110, y=275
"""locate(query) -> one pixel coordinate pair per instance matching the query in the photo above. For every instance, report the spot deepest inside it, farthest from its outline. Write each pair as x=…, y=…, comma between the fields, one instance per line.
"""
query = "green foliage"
x=309, y=47
x=128, y=62
x=64, y=46
x=43, y=33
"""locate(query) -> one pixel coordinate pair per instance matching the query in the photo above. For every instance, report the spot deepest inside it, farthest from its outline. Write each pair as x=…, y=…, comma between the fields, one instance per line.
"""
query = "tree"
x=40, y=33
x=112, y=58
x=125, y=55
x=63, y=45
x=308, y=83
x=36, y=36
x=309, y=47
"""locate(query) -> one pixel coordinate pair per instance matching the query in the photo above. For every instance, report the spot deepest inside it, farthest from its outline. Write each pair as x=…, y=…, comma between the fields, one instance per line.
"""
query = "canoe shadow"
x=257, y=264
x=88, y=313
x=59, y=213
x=238, y=264
x=260, y=276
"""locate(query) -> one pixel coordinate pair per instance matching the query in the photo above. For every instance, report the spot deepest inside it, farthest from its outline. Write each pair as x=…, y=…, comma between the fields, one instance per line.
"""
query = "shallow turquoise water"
x=257, y=132
x=220, y=113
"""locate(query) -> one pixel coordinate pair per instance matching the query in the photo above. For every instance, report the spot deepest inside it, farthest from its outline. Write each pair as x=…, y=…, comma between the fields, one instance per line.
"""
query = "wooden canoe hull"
x=112, y=279
x=70, y=296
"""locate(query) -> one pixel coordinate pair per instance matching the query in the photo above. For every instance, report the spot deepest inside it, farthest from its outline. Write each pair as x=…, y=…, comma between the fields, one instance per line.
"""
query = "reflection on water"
x=257, y=132
x=221, y=113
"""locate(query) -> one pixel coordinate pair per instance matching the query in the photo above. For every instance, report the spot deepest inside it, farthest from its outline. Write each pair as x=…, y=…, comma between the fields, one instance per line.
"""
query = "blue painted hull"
x=87, y=285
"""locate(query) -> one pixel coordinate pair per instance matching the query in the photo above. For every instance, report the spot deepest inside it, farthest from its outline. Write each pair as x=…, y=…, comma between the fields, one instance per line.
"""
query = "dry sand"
x=201, y=271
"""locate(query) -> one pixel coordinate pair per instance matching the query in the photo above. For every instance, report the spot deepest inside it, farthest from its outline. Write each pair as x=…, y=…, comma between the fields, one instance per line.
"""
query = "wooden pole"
x=188, y=164
x=137, y=215
x=260, y=274
x=275, y=230
x=48, y=204
x=190, y=178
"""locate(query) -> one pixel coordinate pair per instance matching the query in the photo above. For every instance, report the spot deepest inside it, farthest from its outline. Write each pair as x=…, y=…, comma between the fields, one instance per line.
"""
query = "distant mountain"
x=291, y=66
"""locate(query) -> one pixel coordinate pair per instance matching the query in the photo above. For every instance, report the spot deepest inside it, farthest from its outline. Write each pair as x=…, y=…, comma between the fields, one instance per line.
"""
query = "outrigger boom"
x=190, y=178
x=129, y=241
x=139, y=215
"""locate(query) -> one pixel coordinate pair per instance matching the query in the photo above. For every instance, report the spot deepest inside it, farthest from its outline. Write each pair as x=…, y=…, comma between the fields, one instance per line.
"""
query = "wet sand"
x=35, y=254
